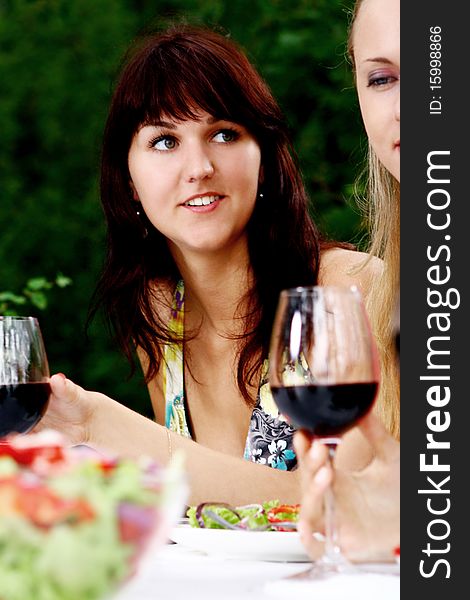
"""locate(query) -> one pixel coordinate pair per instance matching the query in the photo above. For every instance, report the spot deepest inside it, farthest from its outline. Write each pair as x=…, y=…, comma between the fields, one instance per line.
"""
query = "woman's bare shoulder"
x=349, y=267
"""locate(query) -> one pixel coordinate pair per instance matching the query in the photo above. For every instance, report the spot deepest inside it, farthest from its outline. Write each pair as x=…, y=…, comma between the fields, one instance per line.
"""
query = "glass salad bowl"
x=76, y=525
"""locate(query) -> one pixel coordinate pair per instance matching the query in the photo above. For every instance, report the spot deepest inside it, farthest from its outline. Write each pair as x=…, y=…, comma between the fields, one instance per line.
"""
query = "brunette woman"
x=207, y=221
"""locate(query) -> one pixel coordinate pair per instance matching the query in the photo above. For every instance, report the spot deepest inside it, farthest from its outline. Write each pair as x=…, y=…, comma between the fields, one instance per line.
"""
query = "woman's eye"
x=381, y=80
x=226, y=135
x=163, y=143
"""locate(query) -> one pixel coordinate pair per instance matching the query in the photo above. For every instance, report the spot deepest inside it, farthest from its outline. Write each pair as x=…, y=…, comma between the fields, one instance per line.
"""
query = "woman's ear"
x=135, y=195
x=261, y=175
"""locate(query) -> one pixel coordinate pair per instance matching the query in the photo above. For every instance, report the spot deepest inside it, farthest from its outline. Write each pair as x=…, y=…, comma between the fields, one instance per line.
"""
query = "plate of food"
x=264, y=531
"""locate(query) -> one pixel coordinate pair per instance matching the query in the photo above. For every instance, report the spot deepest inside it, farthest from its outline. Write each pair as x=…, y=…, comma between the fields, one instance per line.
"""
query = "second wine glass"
x=323, y=373
x=24, y=375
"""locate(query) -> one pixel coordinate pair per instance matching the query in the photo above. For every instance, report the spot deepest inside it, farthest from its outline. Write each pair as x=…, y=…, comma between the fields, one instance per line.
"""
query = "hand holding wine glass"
x=24, y=375
x=367, y=501
x=324, y=375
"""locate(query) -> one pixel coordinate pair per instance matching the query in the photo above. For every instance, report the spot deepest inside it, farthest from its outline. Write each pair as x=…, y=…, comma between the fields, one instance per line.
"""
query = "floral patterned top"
x=270, y=437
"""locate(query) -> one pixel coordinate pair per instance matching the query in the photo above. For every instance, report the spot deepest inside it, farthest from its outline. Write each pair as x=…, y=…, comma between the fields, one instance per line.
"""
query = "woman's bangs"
x=184, y=97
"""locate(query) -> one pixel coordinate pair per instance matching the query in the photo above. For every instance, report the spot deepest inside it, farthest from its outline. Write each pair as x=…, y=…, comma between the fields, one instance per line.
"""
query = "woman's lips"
x=204, y=203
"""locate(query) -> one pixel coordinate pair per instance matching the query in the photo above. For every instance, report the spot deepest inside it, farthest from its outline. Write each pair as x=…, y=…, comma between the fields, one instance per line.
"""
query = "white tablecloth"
x=176, y=573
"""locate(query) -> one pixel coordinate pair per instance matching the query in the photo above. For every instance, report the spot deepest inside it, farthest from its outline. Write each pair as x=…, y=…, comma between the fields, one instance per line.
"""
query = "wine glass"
x=323, y=373
x=24, y=375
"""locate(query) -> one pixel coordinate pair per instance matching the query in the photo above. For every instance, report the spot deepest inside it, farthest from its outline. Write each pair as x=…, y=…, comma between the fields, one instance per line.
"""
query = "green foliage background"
x=58, y=62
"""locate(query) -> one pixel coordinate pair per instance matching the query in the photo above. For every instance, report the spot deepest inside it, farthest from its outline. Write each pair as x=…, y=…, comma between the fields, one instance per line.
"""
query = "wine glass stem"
x=332, y=554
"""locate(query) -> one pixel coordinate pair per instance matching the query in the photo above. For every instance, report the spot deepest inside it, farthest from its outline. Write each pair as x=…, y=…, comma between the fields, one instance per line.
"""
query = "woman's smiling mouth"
x=203, y=202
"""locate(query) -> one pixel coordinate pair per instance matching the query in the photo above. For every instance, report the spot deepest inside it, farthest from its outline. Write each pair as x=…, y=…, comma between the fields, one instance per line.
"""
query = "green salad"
x=267, y=516
x=72, y=527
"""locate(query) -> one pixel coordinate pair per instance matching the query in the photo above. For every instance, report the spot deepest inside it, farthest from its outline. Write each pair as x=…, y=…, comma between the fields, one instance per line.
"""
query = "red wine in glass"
x=325, y=410
x=24, y=375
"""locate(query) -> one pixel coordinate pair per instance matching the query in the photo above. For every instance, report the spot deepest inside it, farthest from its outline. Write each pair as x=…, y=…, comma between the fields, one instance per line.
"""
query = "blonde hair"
x=381, y=207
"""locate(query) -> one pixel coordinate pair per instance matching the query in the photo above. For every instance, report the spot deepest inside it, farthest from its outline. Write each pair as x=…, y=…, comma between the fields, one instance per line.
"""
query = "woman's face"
x=376, y=46
x=197, y=180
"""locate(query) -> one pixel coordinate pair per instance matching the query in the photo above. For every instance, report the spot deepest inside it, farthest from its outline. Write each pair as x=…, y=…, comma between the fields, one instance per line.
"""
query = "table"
x=177, y=573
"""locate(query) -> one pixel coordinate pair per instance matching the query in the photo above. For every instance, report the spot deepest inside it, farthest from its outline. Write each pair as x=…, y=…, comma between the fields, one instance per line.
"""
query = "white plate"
x=283, y=546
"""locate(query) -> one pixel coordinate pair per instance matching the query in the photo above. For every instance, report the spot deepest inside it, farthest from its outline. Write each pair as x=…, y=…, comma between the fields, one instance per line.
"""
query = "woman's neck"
x=215, y=284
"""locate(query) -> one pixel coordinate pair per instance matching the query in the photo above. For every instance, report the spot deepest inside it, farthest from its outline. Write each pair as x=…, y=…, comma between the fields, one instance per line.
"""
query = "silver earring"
x=145, y=233
x=261, y=195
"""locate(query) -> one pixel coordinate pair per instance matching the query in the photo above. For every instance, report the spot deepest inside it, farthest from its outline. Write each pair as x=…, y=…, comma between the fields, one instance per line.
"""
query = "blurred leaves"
x=34, y=295
x=58, y=62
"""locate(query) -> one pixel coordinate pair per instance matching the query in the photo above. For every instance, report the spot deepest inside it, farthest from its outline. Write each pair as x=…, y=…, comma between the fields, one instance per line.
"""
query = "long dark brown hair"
x=177, y=74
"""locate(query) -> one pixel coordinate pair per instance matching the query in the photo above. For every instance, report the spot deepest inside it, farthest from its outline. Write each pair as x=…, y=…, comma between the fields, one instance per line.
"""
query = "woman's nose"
x=397, y=106
x=199, y=165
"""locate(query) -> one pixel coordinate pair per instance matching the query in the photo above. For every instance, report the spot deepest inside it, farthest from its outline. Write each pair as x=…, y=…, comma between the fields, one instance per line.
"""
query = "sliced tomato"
x=8, y=497
x=285, y=512
x=26, y=456
x=108, y=465
x=45, y=509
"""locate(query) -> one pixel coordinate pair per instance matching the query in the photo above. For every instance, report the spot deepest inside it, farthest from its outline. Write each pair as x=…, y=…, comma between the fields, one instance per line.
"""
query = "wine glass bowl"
x=24, y=375
x=323, y=363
